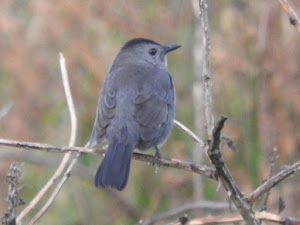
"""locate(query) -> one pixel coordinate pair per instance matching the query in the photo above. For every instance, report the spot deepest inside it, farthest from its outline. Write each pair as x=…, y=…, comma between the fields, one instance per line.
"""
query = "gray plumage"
x=135, y=108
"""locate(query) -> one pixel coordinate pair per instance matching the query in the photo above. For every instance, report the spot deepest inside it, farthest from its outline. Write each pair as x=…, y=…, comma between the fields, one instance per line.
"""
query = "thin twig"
x=72, y=140
x=40, y=159
x=272, y=170
x=189, y=133
x=224, y=175
x=56, y=191
x=167, y=162
x=273, y=181
x=70, y=102
x=79, y=170
x=293, y=17
x=44, y=190
x=58, y=171
x=202, y=205
x=266, y=216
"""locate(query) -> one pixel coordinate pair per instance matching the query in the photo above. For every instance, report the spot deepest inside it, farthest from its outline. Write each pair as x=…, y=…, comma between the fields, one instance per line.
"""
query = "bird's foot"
x=157, y=156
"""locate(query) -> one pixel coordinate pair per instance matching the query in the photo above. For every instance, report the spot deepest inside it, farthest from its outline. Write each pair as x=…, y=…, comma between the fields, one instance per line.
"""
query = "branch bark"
x=167, y=162
x=224, y=175
x=273, y=181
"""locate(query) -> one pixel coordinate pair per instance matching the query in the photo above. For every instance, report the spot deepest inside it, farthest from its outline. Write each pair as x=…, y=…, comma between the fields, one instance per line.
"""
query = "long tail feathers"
x=114, y=168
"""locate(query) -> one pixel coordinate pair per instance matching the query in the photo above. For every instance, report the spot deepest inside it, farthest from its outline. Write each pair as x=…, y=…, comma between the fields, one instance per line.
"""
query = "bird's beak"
x=169, y=48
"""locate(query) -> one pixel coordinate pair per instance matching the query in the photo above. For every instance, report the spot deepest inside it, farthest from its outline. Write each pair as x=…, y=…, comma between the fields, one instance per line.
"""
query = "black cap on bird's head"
x=137, y=41
x=147, y=50
x=133, y=42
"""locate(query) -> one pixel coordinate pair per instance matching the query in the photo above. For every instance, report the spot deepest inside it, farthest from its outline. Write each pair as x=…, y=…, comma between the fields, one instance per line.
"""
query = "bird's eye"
x=152, y=51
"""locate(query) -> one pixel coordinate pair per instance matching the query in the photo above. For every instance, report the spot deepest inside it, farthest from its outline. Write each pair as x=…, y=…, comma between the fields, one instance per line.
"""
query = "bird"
x=136, y=108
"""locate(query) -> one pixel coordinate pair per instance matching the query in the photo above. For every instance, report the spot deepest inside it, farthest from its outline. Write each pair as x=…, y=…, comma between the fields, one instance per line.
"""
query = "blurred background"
x=255, y=54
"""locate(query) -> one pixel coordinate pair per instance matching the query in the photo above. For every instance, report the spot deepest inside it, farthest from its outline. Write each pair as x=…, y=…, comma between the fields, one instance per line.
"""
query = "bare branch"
x=272, y=181
x=67, y=156
x=167, y=162
x=55, y=192
x=44, y=190
x=293, y=17
x=69, y=99
x=237, y=218
x=40, y=159
x=43, y=147
x=79, y=170
x=272, y=170
x=203, y=205
x=224, y=175
x=72, y=140
x=189, y=133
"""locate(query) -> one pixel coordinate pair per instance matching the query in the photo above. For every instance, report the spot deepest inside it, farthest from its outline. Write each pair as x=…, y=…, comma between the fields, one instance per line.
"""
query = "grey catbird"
x=135, y=108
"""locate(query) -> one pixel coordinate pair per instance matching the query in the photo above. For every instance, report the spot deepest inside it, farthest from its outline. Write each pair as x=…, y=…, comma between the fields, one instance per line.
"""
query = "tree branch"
x=272, y=171
x=66, y=85
x=189, y=133
x=273, y=181
x=40, y=159
x=72, y=140
x=55, y=192
x=293, y=17
x=224, y=175
x=66, y=157
x=167, y=162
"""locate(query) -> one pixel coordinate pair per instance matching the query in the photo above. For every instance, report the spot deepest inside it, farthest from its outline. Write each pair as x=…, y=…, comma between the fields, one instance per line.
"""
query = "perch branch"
x=224, y=175
x=167, y=162
x=72, y=140
x=293, y=17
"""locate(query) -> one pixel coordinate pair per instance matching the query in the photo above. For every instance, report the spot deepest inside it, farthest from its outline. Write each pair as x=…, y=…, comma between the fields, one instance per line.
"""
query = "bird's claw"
x=156, y=158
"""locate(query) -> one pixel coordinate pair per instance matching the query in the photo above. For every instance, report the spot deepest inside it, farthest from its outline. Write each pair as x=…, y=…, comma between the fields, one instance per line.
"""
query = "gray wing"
x=105, y=113
x=152, y=109
x=149, y=110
